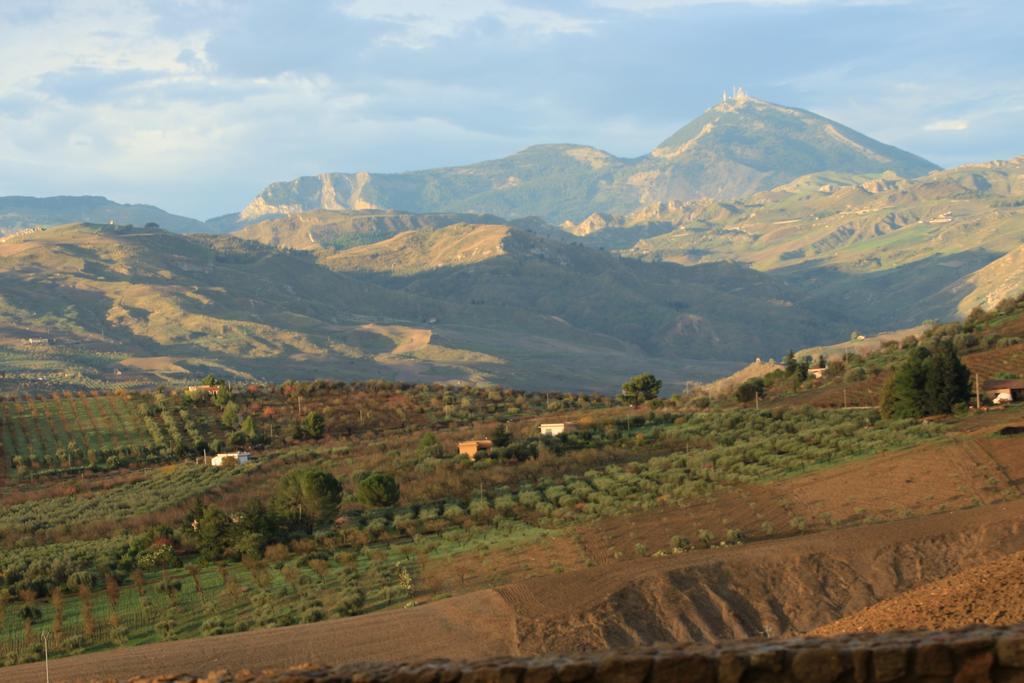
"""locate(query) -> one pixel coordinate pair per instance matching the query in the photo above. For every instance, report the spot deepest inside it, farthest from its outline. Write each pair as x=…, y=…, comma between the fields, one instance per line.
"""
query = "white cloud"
x=419, y=25
x=948, y=124
x=106, y=35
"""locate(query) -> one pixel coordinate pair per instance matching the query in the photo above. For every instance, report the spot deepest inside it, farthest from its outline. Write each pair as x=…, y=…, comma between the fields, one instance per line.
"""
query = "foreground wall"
x=982, y=655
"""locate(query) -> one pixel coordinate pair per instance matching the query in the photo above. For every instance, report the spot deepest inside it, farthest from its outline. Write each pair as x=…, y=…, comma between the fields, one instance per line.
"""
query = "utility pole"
x=46, y=657
x=757, y=400
x=977, y=391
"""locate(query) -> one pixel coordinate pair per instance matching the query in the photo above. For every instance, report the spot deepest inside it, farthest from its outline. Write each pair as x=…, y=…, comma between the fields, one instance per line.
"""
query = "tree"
x=377, y=489
x=902, y=396
x=927, y=383
x=500, y=436
x=229, y=416
x=214, y=534
x=791, y=364
x=307, y=496
x=640, y=388
x=946, y=380
x=429, y=447
x=249, y=431
x=313, y=425
x=748, y=390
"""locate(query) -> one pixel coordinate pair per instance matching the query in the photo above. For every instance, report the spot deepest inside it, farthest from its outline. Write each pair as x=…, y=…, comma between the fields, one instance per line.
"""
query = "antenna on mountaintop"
x=725, y=95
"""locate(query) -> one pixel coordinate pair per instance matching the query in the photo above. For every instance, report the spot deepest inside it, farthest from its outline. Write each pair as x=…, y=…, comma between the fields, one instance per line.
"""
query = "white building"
x=237, y=458
x=556, y=428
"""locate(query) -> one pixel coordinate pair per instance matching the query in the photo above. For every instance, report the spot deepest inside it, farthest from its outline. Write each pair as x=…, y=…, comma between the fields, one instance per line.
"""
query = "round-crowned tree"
x=308, y=496
x=378, y=489
x=640, y=388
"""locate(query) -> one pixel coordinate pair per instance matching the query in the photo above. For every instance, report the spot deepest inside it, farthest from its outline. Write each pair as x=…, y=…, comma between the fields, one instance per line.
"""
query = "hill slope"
x=856, y=223
x=737, y=147
x=342, y=229
x=713, y=312
x=533, y=313
x=991, y=594
x=17, y=213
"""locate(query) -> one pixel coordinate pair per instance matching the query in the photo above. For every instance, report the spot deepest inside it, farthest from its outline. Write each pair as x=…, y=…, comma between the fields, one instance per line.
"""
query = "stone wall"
x=982, y=655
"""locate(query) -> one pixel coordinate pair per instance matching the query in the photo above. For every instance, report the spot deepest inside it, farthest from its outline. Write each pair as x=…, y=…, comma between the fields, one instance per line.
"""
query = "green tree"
x=429, y=447
x=313, y=425
x=249, y=430
x=307, y=496
x=640, y=388
x=946, y=380
x=790, y=363
x=229, y=416
x=903, y=394
x=749, y=389
x=214, y=534
x=377, y=489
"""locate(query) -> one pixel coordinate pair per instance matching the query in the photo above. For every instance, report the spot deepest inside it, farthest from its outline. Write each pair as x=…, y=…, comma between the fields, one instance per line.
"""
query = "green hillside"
x=740, y=146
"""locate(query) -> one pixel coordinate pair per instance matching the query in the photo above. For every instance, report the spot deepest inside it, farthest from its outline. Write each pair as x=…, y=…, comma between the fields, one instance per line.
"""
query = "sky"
x=196, y=105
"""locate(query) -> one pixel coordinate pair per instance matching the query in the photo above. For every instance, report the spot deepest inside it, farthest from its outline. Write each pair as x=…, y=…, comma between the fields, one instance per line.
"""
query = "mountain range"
x=737, y=147
x=753, y=230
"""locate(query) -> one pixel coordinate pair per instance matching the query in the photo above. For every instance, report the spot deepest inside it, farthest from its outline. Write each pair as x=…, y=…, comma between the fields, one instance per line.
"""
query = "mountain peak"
x=782, y=142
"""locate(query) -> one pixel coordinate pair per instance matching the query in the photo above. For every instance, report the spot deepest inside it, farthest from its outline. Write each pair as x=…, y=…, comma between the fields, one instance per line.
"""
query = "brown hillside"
x=991, y=594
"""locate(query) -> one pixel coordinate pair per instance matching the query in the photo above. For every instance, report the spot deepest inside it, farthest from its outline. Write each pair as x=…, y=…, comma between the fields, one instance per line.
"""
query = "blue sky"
x=195, y=105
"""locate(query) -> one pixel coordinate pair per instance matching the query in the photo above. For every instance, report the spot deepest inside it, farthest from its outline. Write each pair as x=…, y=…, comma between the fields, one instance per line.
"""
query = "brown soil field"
x=991, y=594
x=472, y=626
x=988, y=364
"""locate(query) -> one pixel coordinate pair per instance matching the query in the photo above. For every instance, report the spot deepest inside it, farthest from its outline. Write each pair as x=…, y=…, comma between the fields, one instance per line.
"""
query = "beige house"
x=1001, y=391
x=237, y=458
x=556, y=428
x=472, y=449
x=816, y=373
x=211, y=389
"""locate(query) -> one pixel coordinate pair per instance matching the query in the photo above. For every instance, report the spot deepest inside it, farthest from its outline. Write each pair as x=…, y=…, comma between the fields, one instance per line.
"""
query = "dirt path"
x=472, y=626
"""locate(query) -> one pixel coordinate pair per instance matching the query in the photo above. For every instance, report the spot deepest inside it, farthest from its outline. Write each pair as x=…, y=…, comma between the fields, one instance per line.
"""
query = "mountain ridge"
x=736, y=147
x=18, y=212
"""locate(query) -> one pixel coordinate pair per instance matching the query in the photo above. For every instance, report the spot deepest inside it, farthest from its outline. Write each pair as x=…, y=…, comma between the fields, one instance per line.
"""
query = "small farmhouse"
x=238, y=458
x=556, y=428
x=816, y=373
x=211, y=389
x=1001, y=391
x=473, y=449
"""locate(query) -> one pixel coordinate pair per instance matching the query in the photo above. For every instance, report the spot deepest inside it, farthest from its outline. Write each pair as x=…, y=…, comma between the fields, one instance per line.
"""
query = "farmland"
x=123, y=557
x=113, y=531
